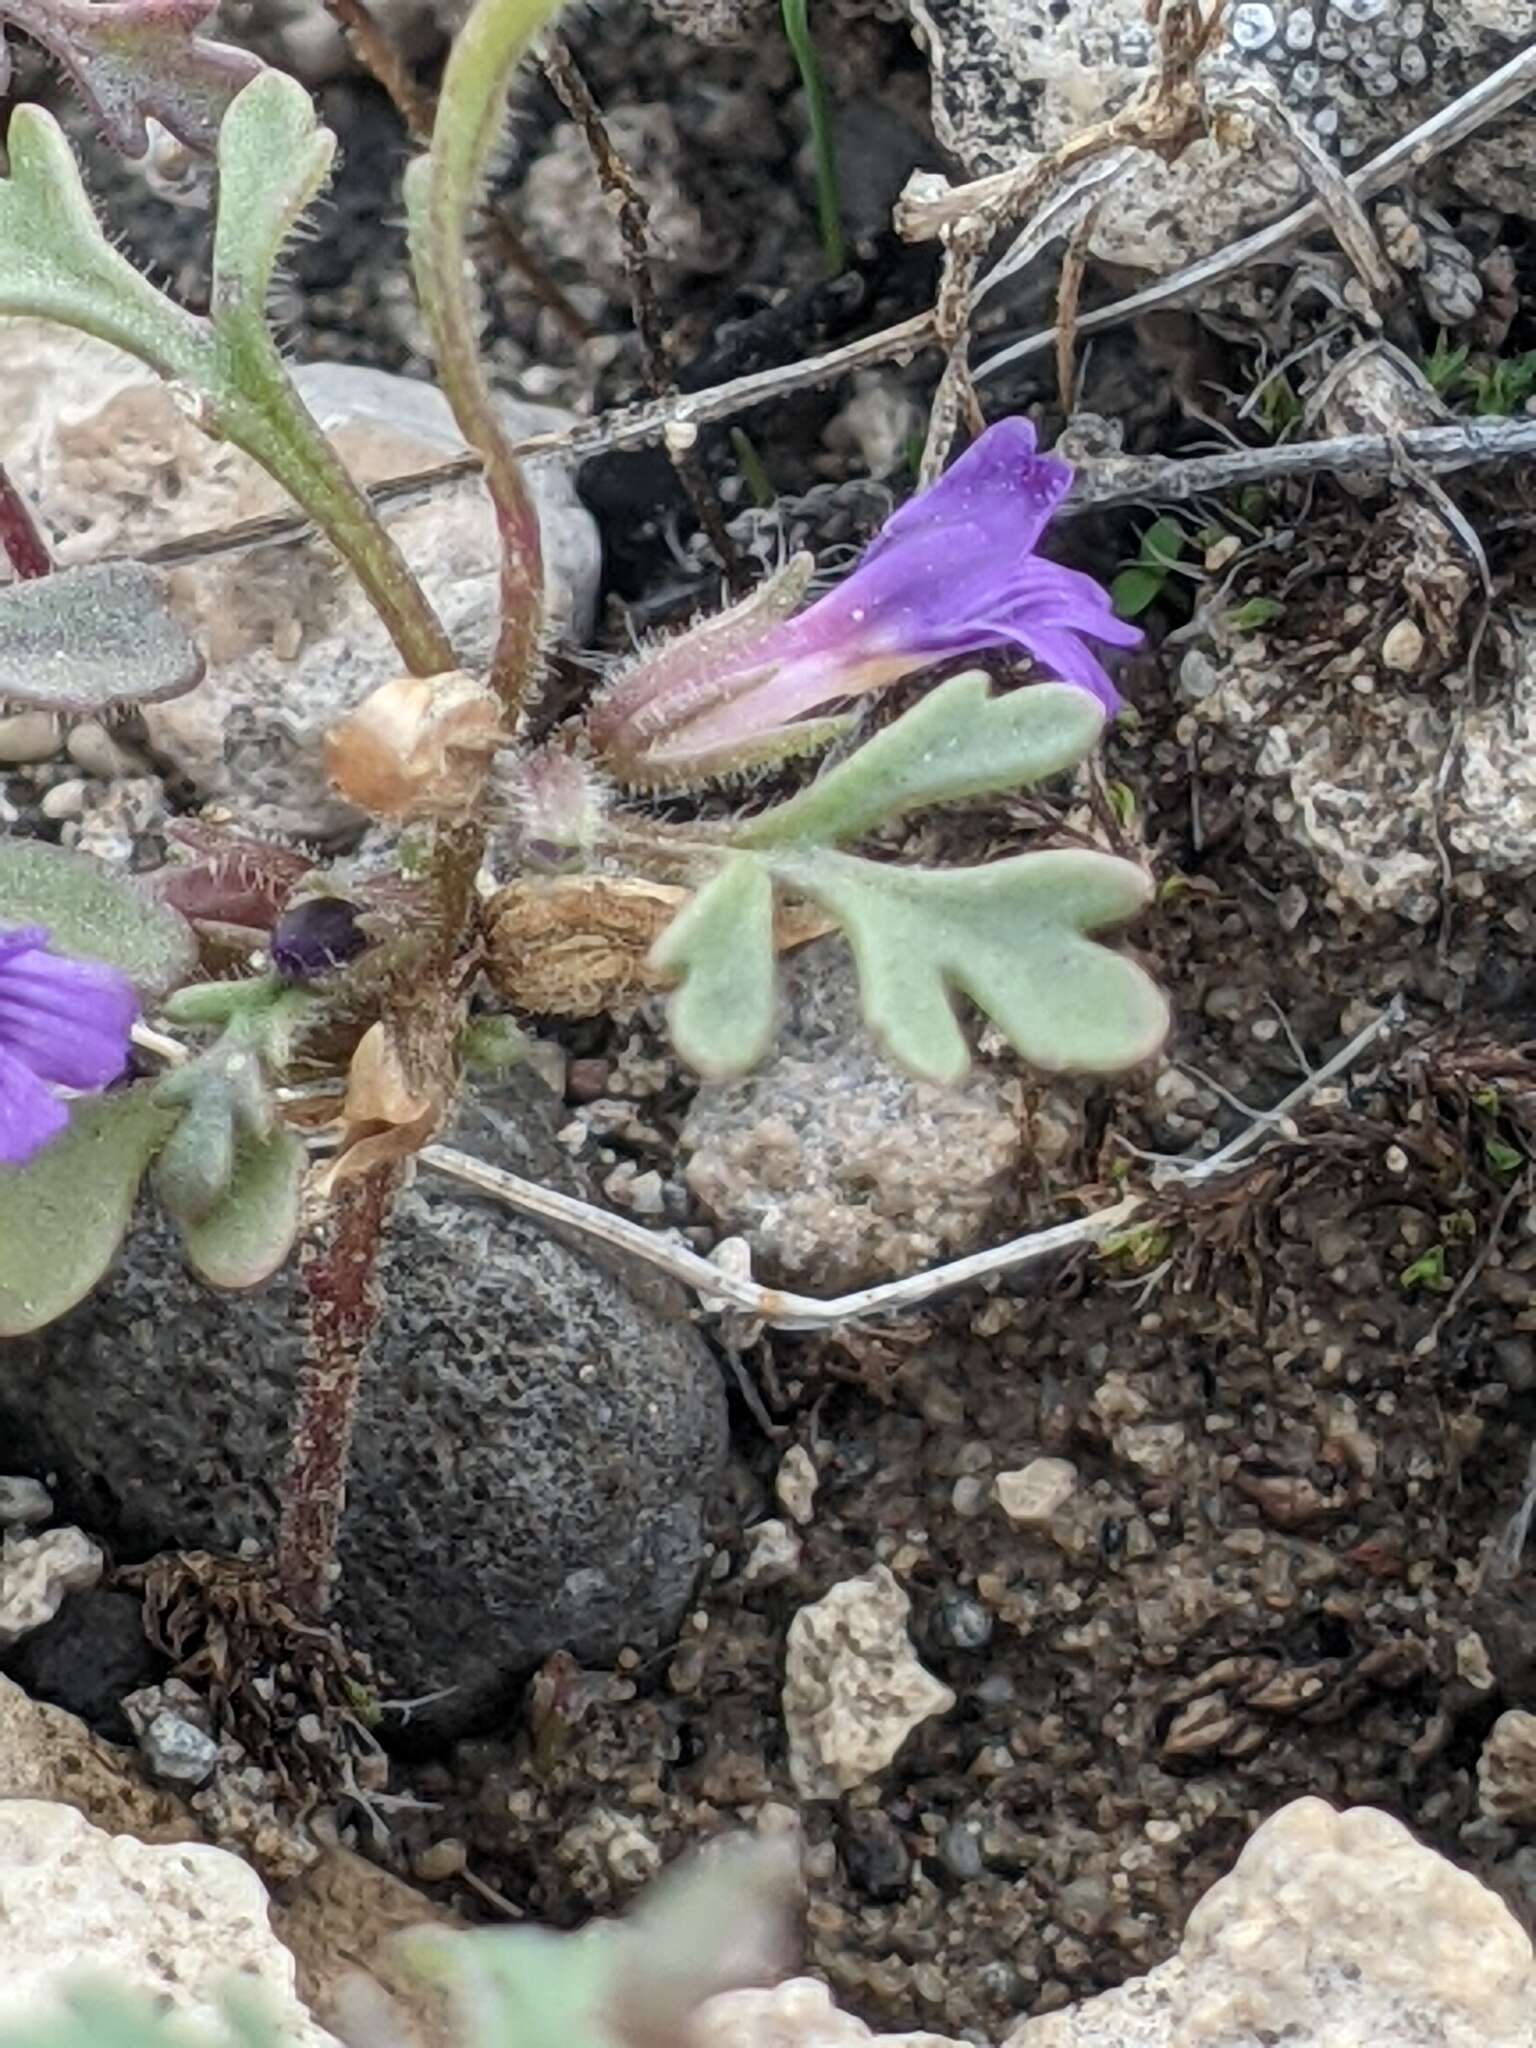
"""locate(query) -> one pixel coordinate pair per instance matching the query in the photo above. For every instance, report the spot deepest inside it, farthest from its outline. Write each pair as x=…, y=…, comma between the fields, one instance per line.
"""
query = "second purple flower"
x=64, y=1023
x=953, y=572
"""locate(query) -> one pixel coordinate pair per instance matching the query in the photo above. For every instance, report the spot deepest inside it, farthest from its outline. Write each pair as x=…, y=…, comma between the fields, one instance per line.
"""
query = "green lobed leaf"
x=63, y=1214
x=1011, y=936
x=274, y=157
x=721, y=944
x=95, y=914
x=92, y=638
x=250, y=1229
x=957, y=741
x=56, y=264
x=135, y=58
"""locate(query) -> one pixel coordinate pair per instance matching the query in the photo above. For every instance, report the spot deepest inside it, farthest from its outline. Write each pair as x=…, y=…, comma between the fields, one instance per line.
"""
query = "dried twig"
x=1258, y=101
x=718, y=1287
x=633, y=211
x=1078, y=194
x=1069, y=289
x=629, y=427
x=955, y=397
x=1128, y=479
x=1164, y=118
x=377, y=52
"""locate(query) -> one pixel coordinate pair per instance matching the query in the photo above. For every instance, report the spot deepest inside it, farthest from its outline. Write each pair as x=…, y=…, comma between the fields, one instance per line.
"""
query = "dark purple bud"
x=316, y=936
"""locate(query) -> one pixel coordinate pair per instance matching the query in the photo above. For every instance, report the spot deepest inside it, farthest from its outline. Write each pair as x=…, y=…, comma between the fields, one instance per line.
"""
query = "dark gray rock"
x=535, y=1445
x=92, y=1652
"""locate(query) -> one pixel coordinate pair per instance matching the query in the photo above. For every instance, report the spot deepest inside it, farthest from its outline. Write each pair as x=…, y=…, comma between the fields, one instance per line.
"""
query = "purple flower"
x=953, y=572
x=63, y=1023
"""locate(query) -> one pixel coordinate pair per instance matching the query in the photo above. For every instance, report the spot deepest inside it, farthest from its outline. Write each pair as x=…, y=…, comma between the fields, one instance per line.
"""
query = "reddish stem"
x=20, y=535
x=337, y=1277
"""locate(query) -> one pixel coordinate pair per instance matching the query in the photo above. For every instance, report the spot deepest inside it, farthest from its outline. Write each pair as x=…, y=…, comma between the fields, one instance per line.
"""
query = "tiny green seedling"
x=1142, y=581
x=1427, y=1273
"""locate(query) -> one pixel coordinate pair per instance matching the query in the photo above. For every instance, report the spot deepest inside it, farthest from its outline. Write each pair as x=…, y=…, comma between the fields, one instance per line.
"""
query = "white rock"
x=1334, y=1929
x=1490, y=809
x=23, y=1502
x=36, y=1574
x=112, y=463
x=1033, y=1494
x=853, y=1688
x=796, y=2014
x=795, y=1484
x=176, y=1922
x=774, y=1553
x=1014, y=79
x=1506, y=1770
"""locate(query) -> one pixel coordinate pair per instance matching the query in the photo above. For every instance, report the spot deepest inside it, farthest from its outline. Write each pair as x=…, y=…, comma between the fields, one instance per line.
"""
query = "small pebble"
x=439, y=1860
x=587, y=1080
x=1403, y=647
x=92, y=748
x=875, y=1856
x=774, y=1554
x=176, y=1753
x=1031, y=1496
x=24, y=1502
x=28, y=736
x=960, y=1852
x=65, y=799
x=796, y=1484
x=960, y=1622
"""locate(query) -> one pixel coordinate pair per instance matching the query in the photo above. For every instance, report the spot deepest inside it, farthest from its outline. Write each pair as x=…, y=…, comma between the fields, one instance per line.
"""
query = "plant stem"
x=441, y=191
x=272, y=424
x=20, y=535
x=797, y=29
x=337, y=1276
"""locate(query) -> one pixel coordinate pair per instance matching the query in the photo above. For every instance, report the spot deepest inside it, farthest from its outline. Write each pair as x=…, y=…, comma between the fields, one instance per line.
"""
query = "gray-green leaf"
x=94, y=914
x=1011, y=936
x=273, y=159
x=957, y=741
x=92, y=638
x=249, y=1231
x=56, y=264
x=63, y=1214
x=721, y=944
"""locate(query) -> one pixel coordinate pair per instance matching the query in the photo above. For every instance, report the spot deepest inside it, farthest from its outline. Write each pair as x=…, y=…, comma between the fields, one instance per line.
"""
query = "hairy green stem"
x=797, y=29
x=442, y=190
x=280, y=433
